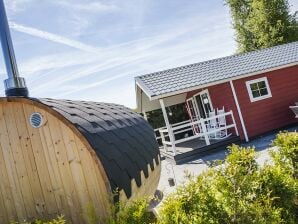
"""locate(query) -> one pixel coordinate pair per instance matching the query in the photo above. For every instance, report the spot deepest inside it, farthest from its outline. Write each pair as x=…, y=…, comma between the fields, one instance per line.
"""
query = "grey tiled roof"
x=185, y=77
x=123, y=141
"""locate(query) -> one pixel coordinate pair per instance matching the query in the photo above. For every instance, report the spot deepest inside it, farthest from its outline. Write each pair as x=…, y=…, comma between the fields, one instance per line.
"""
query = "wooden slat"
x=5, y=189
x=3, y=215
x=75, y=165
x=10, y=166
x=29, y=159
x=96, y=187
x=5, y=193
x=65, y=171
x=49, y=207
x=17, y=151
x=53, y=166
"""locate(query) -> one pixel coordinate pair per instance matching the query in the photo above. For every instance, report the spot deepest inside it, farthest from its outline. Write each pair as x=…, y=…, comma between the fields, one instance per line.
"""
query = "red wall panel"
x=271, y=113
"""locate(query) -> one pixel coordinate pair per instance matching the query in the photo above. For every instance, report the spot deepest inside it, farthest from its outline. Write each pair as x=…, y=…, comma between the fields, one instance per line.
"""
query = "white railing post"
x=162, y=136
x=233, y=119
x=170, y=131
x=204, y=129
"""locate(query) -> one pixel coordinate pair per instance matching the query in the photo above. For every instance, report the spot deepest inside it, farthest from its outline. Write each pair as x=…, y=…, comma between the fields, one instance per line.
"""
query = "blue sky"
x=93, y=49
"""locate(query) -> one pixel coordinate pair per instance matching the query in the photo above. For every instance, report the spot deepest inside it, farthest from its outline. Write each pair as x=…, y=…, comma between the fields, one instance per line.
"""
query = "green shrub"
x=135, y=212
x=239, y=190
x=287, y=155
x=282, y=178
x=58, y=220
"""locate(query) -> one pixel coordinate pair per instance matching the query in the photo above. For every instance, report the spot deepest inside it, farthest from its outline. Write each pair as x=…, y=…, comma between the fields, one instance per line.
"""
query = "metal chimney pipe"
x=14, y=85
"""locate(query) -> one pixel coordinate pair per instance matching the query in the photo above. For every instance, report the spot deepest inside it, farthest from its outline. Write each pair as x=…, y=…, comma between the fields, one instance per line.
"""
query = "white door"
x=199, y=107
x=193, y=114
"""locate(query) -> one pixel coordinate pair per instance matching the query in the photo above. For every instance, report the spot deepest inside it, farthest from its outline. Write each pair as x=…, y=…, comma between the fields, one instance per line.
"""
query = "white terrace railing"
x=204, y=128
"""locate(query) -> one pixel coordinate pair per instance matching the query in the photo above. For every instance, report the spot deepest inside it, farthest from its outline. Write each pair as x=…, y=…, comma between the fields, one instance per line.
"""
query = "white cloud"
x=38, y=64
x=110, y=55
x=53, y=37
x=122, y=62
x=88, y=6
x=15, y=6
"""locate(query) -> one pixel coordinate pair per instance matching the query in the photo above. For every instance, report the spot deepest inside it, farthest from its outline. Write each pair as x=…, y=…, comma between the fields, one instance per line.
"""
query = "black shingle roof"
x=185, y=77
x=122, y=139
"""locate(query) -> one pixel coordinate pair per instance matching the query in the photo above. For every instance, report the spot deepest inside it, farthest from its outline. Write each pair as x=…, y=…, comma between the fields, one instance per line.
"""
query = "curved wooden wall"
x=48, y=170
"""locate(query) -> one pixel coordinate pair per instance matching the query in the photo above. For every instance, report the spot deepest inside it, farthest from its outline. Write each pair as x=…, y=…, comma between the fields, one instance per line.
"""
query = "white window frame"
x=251, y=97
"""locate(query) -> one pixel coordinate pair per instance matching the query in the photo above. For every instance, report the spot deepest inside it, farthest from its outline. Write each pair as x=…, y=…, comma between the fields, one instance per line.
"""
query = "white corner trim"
x=239, y=111
x=254, y=99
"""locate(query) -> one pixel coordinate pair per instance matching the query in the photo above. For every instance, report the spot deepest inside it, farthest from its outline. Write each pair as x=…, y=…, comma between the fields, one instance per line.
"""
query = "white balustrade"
x=186, y=126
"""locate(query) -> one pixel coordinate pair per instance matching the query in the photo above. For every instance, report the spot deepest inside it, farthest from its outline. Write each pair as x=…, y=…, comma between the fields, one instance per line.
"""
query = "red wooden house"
x=239, y=96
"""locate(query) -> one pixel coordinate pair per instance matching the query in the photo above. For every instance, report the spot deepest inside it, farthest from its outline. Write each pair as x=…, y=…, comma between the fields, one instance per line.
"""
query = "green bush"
x=58, y=220
x=287, y=155
x=283, y=177
x=239, y=190
x=136, y=212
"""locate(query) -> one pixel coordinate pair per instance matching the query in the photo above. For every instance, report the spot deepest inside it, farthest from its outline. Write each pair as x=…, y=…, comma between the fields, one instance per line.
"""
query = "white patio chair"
x=222, y=123
x=212, y=124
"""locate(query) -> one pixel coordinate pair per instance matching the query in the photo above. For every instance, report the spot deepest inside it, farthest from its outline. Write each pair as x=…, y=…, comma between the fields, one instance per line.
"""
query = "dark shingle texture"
x=122, y=139
x=202, y=73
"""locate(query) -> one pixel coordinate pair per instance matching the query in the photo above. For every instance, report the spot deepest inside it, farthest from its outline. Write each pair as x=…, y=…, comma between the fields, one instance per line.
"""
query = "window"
x=258, y=89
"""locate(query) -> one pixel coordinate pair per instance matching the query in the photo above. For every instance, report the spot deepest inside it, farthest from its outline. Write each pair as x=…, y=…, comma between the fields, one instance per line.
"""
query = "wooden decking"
x=196, y=148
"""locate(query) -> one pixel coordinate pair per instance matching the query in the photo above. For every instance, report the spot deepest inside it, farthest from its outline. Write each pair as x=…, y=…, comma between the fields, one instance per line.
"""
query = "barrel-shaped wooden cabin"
x=67, y=157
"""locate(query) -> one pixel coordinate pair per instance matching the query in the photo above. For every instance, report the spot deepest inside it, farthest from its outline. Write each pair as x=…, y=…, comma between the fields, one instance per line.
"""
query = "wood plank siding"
x=271, y=113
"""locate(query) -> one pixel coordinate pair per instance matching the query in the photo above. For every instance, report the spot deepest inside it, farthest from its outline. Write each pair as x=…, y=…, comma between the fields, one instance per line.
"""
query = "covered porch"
x=187, y=140
x=204, y=128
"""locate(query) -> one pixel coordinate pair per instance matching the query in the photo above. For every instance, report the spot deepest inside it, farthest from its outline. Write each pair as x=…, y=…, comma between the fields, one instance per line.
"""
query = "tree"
x=262, y=23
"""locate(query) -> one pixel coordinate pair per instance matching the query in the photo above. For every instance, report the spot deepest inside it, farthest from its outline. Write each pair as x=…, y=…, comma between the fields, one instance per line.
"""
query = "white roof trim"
x=143, y=87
